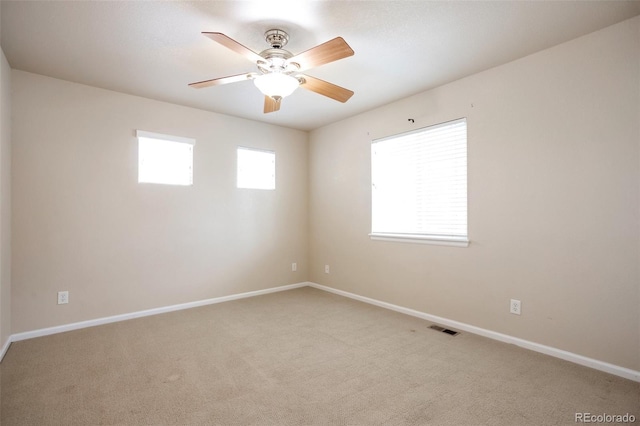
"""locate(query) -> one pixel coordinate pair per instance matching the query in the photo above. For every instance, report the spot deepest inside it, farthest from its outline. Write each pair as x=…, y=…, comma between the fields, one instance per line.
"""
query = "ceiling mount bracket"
x=276, y=38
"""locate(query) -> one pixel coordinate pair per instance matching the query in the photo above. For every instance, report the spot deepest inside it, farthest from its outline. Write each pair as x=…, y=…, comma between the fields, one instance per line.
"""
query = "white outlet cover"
x=326, y=269
x=63, y=297
x=515, y=307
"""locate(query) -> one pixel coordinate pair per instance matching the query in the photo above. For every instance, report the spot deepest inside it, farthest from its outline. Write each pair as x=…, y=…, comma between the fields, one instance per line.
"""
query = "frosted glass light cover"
x=276, y=84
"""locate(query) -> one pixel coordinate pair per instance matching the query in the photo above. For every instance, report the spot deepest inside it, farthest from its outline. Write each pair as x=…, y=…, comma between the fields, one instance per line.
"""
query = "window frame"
x=238, y=169
x=142, y=134
x=419, y=237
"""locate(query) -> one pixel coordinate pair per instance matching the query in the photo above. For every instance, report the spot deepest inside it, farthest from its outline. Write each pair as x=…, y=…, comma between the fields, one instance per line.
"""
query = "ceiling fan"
x=279, y=70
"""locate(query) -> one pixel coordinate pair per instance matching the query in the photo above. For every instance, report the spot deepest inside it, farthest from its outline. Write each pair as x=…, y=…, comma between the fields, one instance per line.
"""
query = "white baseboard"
x=155, y=311
x=616, y=370
x=548, y=350
x=5, y=348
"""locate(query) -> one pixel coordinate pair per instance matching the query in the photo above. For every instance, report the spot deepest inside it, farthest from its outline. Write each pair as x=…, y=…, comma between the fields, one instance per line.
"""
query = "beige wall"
x=554, y=210
x=554, y=204
x=5, y=200
x=82, y=223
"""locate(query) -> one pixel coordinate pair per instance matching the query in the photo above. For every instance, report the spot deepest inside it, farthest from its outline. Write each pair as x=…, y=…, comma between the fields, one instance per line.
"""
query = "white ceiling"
x=154, y=48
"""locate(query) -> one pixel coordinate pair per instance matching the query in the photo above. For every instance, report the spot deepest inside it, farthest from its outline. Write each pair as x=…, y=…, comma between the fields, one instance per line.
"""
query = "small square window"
x=256, y=169
x=164, y=159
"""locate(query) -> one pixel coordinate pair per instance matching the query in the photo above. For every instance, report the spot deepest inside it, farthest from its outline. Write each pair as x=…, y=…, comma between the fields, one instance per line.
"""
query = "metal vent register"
x=444, y=330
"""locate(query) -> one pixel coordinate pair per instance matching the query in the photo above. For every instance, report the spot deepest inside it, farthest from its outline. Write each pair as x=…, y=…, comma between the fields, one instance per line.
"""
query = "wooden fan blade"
x=235, y=46
x=326, y=89
x=271, y=105
x=322, y=54
x=222, y=80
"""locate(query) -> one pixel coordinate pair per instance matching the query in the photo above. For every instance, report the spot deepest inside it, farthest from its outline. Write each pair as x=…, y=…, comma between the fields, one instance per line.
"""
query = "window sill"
x=422, y=239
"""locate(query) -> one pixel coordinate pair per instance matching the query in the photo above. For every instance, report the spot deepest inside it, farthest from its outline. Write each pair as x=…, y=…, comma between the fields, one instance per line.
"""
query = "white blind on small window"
x=419, y=182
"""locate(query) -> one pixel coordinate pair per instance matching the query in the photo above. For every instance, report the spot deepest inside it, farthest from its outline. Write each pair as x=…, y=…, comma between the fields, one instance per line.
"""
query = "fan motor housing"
x=276, y=60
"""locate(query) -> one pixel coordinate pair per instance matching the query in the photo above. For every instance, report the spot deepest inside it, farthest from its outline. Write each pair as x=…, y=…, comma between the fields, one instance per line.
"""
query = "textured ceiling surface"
x=154, y=48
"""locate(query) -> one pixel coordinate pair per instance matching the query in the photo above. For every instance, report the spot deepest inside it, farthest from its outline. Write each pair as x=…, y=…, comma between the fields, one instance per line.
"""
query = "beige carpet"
x=294, y=358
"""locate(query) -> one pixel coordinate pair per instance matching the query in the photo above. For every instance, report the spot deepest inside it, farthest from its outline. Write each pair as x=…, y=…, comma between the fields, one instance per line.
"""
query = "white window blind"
x=164, y=159
x=256, y=169
x=419, y=184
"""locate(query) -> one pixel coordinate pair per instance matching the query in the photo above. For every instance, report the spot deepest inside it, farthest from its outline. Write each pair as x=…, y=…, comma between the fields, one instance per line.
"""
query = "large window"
x=419, y=185
x=165, y=159
x=256, y=169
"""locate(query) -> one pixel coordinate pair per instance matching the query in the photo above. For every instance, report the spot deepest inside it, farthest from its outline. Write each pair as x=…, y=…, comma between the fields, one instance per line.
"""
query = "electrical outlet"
x=63, y=297
x=515, y=307
x=294, y=266
x=326, y=269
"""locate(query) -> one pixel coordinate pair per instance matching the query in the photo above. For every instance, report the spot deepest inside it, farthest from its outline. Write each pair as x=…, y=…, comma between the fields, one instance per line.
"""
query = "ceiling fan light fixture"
x=276, y=84
x=279, y=70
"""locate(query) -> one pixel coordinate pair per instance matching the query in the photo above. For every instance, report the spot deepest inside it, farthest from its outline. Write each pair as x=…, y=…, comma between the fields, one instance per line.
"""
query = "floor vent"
x=444, y=330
